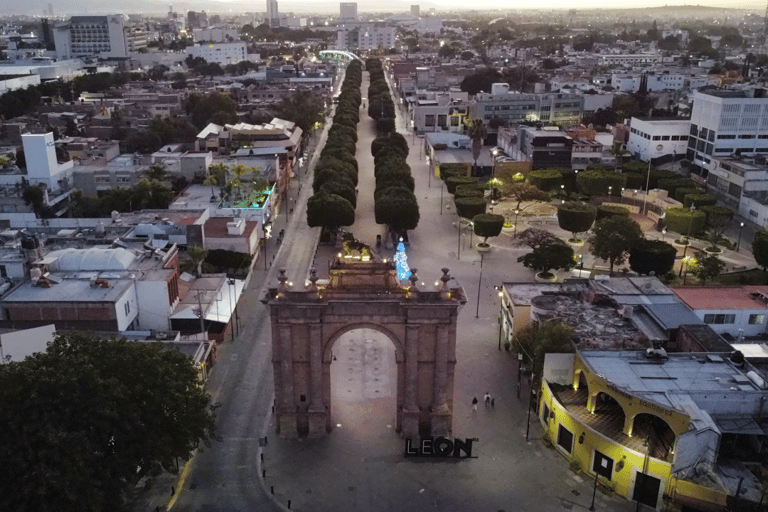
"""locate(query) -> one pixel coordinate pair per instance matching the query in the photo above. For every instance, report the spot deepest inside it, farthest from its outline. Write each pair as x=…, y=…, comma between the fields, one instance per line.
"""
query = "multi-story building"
x=544, y=148
x=273, y=15
x=659, y=140
x=106, y=37
x=740, y=182
x=220, y=53
x=348, y=11
x=432, y=112
x=365, y=36
x=196, y=20
x=725, y=122
x=628, y=59
x=216, y=34
x=515, y=108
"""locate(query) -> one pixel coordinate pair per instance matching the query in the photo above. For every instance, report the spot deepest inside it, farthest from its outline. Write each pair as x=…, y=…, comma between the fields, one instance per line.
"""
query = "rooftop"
x=723, y=297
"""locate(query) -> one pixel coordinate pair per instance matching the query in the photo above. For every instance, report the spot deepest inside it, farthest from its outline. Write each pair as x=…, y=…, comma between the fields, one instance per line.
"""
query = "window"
x=657, y=137
x=719, y=319
x=746, y=136
x=753, y=319
x=683, y=137
x=429, y=120
x=752, y=213
x=602, y=465
x=545, y=414
x=720, y=137
x=694, y=129
x=565, y=438
x=127, y=308
x=665, y=137
x=4, y=272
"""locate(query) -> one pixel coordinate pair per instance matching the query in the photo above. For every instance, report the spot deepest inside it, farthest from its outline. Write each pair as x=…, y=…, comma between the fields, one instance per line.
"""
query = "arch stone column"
x=421, y=324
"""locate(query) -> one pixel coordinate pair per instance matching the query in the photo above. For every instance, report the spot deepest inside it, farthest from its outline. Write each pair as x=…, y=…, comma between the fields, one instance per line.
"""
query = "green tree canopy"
x=576, y=216
x=469, y=207
x=705, y=267
x=396, y=207
x=718, y=219
x=613, y=238
x=652, y=256
x=521, y=192
x=611, y=210
x=548, y=257
x=545, y=179
x=216, y=107
x=454, y=181
x=760, y=248
x=535, y=341
x=303, y=108
x=684, y=221
x=85, y=420
x=329, y=211
x=597, y=181
x=487, y=225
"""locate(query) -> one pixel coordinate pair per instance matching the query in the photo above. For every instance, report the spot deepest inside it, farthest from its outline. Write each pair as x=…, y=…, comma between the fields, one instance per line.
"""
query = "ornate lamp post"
x=738, y=245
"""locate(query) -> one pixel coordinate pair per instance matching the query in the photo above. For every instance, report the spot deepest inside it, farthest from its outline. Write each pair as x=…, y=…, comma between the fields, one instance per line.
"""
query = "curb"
x=180, y=482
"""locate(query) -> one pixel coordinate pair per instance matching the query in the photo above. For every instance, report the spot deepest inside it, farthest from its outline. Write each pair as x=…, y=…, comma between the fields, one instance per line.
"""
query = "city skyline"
x=153, y=7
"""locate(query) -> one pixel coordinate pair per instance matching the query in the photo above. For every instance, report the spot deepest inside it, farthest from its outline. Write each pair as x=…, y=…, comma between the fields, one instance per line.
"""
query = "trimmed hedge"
x=596, y=182
x=445, y=171
x=545, y=179
x=488, y=225
x=679, y=218
x=575, y=216
x=671, y=185
x=680, y=193
x=454, y=181
x=468, y=191
x=609, y=210
x=699, y=200
x=469, y=207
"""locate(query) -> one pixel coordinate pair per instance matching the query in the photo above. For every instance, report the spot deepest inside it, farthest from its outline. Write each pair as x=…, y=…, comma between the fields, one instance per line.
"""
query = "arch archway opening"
x=610, y=411
x=364, y=385
x=656, y=433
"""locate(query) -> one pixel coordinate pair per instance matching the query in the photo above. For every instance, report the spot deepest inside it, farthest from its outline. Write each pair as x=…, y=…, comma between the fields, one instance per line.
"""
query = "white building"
x=628, y=59
x=658, y=139
x=216, y=34
x=741, y=183
x=42, y=165
x=97, y=36
x=733, y=310
x=348, y=11
x=725, y=122
x=433, y=112
x=553, y=108
x=221, y=53
x=365, y=36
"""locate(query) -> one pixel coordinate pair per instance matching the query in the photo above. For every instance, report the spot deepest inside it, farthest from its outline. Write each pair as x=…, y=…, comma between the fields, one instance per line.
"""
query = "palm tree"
x=619, y=152
x=197, y=256
x=477, y=134
x=239, y=171
x=217, y=175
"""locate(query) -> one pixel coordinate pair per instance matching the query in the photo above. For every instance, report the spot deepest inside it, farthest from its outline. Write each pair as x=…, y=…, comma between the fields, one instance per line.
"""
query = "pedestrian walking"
x=493, y=403
x=474, y=404
x=487, y=399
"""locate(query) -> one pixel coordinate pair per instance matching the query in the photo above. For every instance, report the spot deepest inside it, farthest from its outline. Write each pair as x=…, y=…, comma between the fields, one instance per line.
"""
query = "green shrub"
x=608, y=210
x=487, y=225
x=545, y=179
x=635, y=181
x=699, y=200
x=469, y=207
x=671, y=185
x=445, y=171
x=454, y=181
x=575, y=216
x=652, y=256
x=680, y=193
x=679, y=219
x=596, y=182
x=468, y=191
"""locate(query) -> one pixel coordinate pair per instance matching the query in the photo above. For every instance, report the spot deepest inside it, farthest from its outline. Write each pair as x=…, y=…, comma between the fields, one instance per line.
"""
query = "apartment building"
x=365, y=36
x=220, y=53
x=740, y=182
x=515, y=108
x=724, y=122
x=106, y=37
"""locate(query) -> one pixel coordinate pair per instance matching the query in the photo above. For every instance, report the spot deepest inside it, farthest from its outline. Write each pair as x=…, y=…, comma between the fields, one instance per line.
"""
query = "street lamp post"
x=501, y=313
x=622, y=195
x=594, y=491
x=687, y=239
x=514, y=235
x=663, y=234
x=479, y=284
x=458, y=240
x=738, y=245
x=610, y=188
x=530, y=398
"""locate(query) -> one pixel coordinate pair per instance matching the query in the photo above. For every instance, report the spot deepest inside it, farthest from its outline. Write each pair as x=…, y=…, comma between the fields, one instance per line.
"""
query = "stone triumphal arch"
x=420, y=321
